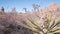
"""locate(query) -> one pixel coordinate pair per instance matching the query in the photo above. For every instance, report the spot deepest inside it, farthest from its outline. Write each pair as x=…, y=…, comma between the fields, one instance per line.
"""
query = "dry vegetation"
x=45, y=21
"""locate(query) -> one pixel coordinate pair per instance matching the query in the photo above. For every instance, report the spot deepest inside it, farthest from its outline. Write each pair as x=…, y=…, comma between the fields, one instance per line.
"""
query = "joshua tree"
x=14, y=12
x=36, y=7
x=2, y=9
x=25, y=9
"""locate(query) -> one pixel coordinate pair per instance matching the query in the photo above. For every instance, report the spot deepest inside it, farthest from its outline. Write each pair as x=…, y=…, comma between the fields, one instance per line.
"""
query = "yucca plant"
x=51, y=25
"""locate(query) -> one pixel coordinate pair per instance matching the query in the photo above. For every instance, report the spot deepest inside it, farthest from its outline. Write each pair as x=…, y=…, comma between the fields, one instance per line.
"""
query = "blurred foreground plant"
x=51, y=25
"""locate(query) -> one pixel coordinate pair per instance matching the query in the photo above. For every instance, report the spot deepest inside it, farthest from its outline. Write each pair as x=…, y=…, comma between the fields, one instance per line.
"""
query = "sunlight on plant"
x=51, y=25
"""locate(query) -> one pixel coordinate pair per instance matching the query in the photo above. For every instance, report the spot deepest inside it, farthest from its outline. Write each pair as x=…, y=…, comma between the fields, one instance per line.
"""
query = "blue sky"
x=20, y=4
